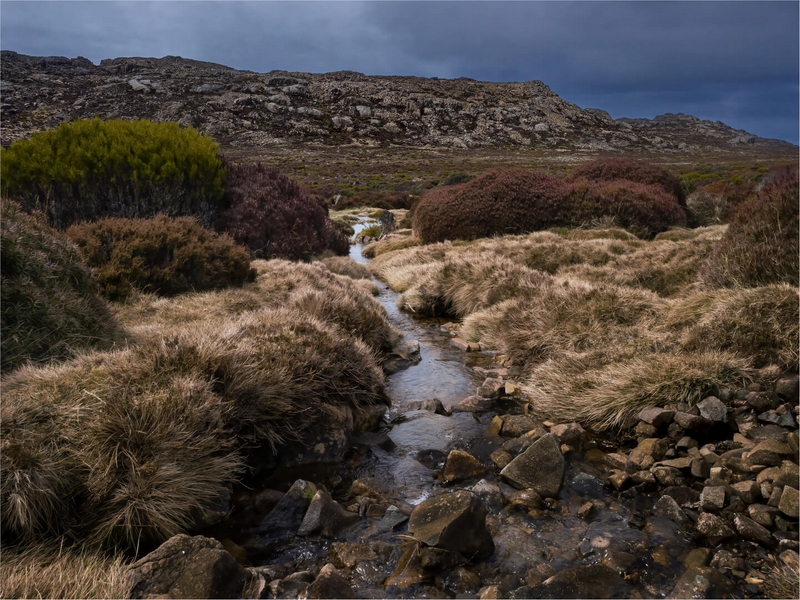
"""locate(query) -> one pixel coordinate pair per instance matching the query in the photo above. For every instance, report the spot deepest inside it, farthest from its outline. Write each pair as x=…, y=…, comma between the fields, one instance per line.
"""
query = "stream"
x=531, y=543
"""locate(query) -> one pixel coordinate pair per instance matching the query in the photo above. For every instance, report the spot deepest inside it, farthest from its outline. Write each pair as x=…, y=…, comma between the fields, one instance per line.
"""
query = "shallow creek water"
x=530, y=545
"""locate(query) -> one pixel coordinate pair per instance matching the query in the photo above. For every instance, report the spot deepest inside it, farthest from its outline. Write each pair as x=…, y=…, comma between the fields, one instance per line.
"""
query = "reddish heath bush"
x=644, y=209
x=274, y=218
x=612, y=169
x=164, y=255
x=502, y=201
x=761, y=244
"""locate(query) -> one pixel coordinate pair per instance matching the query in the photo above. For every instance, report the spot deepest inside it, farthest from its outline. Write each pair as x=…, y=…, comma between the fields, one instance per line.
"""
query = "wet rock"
x=619, y=479
x=643, y=477
x=381, y=440
x=492, y=388
x=326, y=517
x=723, y=559
x=474, y=404
x=593, y=581
x=432, y=459
x=187, y=567
x=648, y=451
x=644, y=430
x=325, y=441
x=517, y=425
x=587, y=485
x=668, y=476
x=496, y=425
x=433, y=405
x=587, y=511
x=348, y=555
x=369, y=487
x=459, y=466
x=490, y=592
x=529, y=499
x=455, y=522
x=490, y=494
x=540, y=467
x=501, y=458
x=714, y=528
x=616, y=460
x=571, y=434
x=461, y=581
x=760, y=401
x=330, y=584
x=788, y=504
x=701, y=582
x=284, y=520
x=667, y=507
x=697, y=557
x=391, y=519
x=750, y=530
x=682, y=494
x=657, y=417
x=519, y=444
x=438, y=559
x=409, y=570
x=787, y=388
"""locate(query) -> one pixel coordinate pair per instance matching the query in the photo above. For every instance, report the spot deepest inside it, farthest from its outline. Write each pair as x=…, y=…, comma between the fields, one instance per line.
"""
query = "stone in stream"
x=283, y=521
x=474, y=404
x=187, y=567
x=540, y=467
x=459, y=466
x=587, y=485
x=326, y=517
x=391, y=519
x=593, y=581
x=714, y=528
x=517, y=425
x=701, y=582
x=667, y=507
x=330, y=584
x=455, y=521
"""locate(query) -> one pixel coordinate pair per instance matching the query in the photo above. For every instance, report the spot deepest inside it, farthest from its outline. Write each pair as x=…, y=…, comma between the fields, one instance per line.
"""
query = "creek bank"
x=687, y=501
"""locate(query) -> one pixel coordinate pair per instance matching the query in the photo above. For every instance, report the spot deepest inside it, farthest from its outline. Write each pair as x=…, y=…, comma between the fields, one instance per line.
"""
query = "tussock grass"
x=782, y=582
x=49, y=301
x=397, y=241
x=125, y=447
x=47, y=571
x=608, y=395
x=344, y=265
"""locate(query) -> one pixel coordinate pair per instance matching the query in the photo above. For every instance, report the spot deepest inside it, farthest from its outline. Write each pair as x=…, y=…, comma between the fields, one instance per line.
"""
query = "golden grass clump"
x=344, y=265
x=125, y=447
x=758, y=322
x=396, y=241
x=47, y=571
x=608, y=395
x=782, y=581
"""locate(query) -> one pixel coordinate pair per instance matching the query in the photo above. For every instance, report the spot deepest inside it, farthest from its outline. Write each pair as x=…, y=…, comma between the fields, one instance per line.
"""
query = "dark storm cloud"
x=731, y=61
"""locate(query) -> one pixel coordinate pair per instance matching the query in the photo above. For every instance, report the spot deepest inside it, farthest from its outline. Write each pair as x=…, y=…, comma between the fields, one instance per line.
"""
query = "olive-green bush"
x=163, y=255
x=49, y=301
x=92, y=169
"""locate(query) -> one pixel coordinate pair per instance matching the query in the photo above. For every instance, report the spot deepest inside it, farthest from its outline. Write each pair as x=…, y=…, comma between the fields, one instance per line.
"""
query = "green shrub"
x=273, y=217
x=760, y=246
x=630, y=169
x=644, y=209
x=87, y=170
x=502, y=201
x=164, y=255
x=49, y=301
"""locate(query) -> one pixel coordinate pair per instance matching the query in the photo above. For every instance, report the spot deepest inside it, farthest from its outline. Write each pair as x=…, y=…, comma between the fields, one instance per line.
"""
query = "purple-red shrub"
x=274, y=217
x=644, y=209
x=502, y=201
x=761, y=245
x=612, y=169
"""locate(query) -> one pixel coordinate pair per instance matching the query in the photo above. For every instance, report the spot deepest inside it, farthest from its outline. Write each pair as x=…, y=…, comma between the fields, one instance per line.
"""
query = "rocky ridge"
x=244, y=108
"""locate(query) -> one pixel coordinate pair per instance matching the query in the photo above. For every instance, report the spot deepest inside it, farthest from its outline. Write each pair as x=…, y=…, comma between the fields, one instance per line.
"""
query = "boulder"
x=657, y=417
x=459, y=466
x=474, y=404
x=492, y=388
x=667, y=507
x=587, y=485
x=713, y=409
x=330, y=584
x=454, y=522
x=770, y=452
x=391, y=519
x=714, y=528
x=501, y=458
x=326, y=517
x=571, y=434
x=788, y=504
x=528, y=499
x=648, y=451
x=517, y=425
x=712, y=498
x=409, y=570
x=540, y=467
x=283, y=521
x=749, y=491
x=750, y=530
x=187, y=567
x=760, y=401
x=693, y=423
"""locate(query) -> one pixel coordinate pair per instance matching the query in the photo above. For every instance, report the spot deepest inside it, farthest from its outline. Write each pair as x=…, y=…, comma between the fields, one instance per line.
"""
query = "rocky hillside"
x=243, y=108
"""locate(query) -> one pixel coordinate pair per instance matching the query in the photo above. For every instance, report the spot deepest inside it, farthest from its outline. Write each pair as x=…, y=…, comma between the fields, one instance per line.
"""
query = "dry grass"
x=344, y=265
x=51, y=572
x=402, y=238
x=782, y=582
x=603, y=324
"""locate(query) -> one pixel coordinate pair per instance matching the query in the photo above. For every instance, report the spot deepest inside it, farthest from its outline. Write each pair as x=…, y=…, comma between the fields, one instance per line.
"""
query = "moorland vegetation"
x=153, y=348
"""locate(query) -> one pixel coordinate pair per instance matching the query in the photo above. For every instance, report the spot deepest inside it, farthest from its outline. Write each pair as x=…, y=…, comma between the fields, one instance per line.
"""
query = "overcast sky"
x=735, y=62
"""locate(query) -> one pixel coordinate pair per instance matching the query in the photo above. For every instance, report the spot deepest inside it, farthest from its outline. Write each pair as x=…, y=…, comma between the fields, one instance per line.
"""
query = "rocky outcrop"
x=266, y=109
